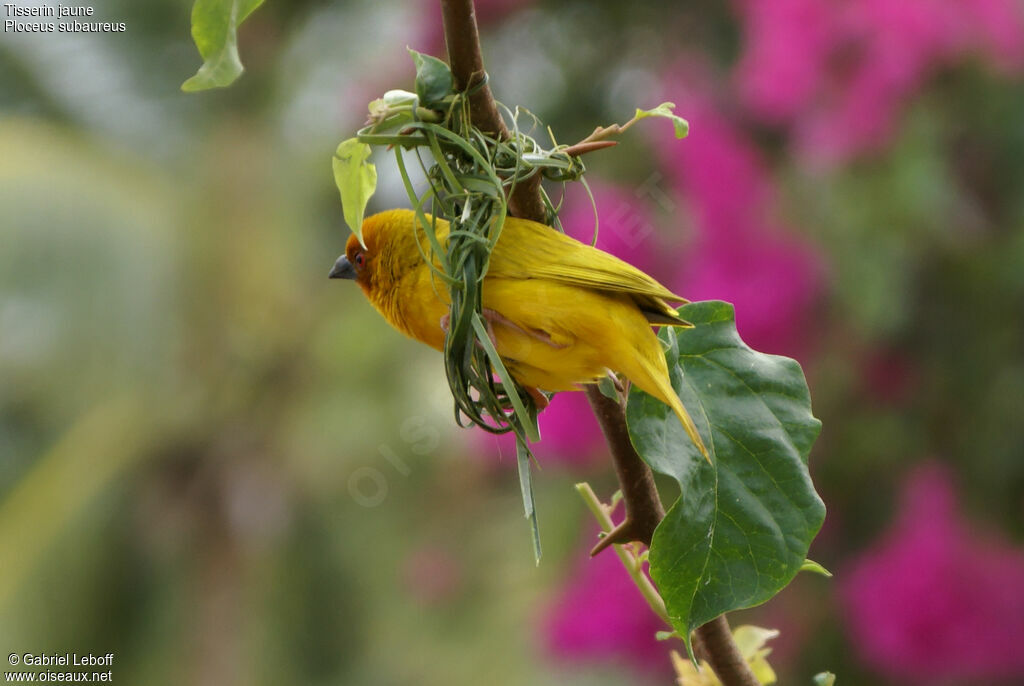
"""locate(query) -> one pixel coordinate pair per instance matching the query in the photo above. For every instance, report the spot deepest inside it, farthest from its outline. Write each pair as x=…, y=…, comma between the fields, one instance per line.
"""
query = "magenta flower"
x=890, y=48
x=717, y=169
x=741, y=252
x=773, y=282
x=935, y=601
x=786, y=49
x=570, y=436
x=840, y=73
x=601, y=616
x=626, y=227
x=999, y=31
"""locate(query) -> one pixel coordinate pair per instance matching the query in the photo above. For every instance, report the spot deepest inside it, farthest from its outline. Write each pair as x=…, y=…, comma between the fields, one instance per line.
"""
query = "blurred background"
x=226, y=469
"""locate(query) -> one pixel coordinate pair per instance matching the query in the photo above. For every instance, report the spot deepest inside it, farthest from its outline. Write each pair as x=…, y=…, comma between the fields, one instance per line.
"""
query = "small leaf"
x=690, y=674
x=750, y=639
x=741, y=530
x=664, y=635
x=607, y=388
x=824, y=679
x=751, y=642
x=681, y=126
x=812, y=566
x=356, y=180
x=215, y=31
x=433, y=78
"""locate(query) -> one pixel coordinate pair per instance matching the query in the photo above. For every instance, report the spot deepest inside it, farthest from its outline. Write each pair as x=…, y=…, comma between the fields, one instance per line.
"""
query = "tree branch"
x=643, y=505
x=640, y=496
x=462, y=39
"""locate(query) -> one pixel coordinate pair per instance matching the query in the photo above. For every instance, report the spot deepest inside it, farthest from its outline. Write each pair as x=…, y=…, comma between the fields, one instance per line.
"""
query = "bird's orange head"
x=390, y=252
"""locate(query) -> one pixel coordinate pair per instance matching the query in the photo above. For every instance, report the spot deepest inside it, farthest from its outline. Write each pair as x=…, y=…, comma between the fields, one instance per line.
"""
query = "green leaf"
x=607, y=388
x=356, y=180
x=741, y=529
x=812, y=566
x=681, y=126
x=215, y=30
x=824, y=679
x=433, y=78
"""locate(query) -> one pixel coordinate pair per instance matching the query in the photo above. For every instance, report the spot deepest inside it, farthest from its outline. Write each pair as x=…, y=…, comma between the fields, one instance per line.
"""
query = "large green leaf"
x=742, y=526
x=215, y=31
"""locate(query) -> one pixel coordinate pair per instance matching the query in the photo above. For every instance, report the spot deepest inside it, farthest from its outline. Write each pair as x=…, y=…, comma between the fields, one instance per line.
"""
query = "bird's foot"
x=540, y=401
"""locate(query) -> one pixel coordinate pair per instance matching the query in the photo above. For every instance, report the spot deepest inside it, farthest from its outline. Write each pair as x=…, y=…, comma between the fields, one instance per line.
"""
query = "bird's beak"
x=342, y=269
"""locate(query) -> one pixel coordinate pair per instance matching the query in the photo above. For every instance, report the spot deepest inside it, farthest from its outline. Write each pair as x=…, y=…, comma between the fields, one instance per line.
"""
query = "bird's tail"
x=653, y=379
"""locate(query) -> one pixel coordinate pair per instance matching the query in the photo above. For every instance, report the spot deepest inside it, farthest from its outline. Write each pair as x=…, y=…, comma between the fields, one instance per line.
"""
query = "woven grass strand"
x=469, y=178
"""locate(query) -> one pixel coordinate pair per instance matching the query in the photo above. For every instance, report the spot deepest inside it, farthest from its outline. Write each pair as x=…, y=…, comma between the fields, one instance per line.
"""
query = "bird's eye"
x=359, y=260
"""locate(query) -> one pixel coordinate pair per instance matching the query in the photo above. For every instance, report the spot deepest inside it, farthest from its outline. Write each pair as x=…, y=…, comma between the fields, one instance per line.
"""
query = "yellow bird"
x=561, y=313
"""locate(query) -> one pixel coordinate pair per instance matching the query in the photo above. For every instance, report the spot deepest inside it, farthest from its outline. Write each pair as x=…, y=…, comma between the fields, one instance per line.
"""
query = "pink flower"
x=772, y=281
x=787, y=46
x=718, y=170
x=936, y=601
x=741, y=252
x=888, y=48
x=626, y=227
x=601, y=616
x=999, y=31
x=570, y=436
x=840, y=73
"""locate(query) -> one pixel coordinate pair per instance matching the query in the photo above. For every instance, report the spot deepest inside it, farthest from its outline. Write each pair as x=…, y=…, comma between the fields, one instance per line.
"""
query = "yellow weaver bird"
x=560, y=313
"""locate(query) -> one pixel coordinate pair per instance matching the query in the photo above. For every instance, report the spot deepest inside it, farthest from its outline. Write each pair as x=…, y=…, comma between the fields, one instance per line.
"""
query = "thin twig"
x=632, y=562
x=584, y=147
x=643, y=506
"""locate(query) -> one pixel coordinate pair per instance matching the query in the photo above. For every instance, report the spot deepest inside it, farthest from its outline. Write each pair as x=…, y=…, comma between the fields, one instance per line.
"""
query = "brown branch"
x=643, y=505
x=462, y=39
x=639, y=494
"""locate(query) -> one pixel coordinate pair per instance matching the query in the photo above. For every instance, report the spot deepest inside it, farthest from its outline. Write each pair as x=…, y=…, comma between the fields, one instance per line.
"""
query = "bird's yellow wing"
x=528, y=250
